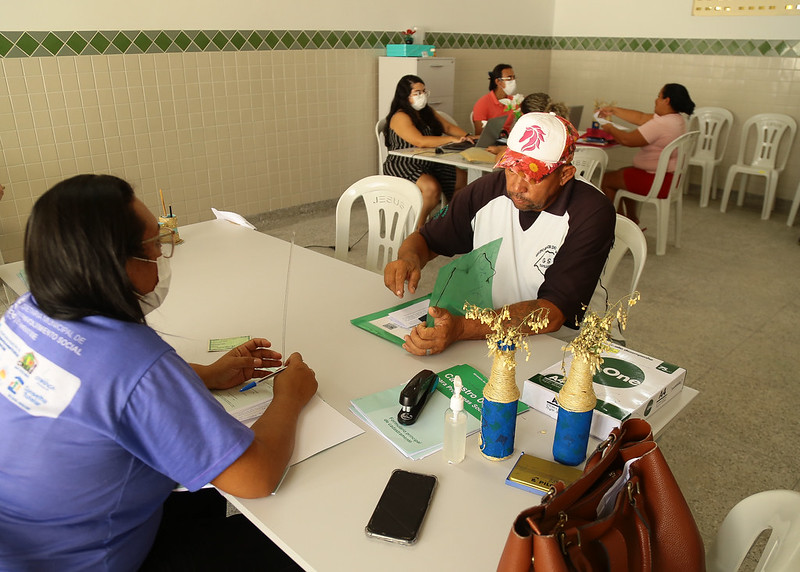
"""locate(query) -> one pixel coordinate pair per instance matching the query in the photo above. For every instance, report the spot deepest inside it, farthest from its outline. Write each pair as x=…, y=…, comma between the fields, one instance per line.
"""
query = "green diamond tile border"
x=26, y=44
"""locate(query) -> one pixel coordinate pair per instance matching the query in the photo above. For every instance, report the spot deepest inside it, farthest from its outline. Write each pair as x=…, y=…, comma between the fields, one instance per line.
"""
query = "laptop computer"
x=575, y=112
x=489, y=135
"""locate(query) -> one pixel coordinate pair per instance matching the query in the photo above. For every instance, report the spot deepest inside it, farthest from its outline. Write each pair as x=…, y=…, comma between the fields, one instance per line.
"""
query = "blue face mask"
x=152, y=300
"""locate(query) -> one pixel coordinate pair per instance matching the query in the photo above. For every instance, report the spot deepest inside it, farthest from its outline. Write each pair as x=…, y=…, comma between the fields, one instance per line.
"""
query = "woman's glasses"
x=165, y=241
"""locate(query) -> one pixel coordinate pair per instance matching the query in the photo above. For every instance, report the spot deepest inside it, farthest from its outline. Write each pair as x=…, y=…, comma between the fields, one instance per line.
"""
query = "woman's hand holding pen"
x=296, y=385
x=240, y=364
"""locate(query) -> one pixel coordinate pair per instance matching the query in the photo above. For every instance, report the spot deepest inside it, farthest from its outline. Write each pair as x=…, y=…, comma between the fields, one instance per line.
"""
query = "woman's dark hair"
x=78, y=238
x=425, y=117
x=679, y=99
x=497, y=73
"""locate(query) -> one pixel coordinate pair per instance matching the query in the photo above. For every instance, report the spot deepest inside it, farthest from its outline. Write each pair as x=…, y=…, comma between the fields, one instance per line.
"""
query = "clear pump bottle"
x=455, y=426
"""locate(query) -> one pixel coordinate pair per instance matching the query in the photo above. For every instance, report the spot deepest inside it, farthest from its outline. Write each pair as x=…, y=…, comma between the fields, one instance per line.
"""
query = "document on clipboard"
x=466, y=279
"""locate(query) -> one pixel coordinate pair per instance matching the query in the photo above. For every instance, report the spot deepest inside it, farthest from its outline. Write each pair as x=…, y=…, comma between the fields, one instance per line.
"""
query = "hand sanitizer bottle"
x=455, y=426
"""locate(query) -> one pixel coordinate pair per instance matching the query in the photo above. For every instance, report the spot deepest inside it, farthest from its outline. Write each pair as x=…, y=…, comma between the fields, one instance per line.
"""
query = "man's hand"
x=242, y=363
x=398, y=272
x=427, y=341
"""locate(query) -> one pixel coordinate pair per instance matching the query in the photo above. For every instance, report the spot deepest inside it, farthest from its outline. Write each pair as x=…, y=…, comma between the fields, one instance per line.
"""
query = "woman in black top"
x=412, y=123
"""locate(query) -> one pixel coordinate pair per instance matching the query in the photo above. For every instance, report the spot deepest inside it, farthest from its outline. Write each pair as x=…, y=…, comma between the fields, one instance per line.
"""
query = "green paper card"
x=226, y=344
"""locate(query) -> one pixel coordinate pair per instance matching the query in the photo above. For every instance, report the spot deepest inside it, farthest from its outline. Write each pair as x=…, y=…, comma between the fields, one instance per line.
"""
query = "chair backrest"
x=776, y=510
x=774, y=134
x=390, y=201
x=383, y=150
x=682, y=146
x=714, y=125
x=447, y=117
x=627, y=236
x=590, y=164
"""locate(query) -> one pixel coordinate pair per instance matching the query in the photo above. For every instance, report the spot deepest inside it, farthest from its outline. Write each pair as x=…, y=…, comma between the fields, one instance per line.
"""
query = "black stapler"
x=414, y=396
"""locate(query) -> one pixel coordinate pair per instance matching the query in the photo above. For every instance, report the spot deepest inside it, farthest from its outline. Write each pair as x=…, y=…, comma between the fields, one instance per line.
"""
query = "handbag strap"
x=630, y=433
x=621, y=550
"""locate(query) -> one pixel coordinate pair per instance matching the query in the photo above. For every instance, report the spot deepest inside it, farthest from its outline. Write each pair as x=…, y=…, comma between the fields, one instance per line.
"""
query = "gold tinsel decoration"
x=504, y=334
x=596, y=330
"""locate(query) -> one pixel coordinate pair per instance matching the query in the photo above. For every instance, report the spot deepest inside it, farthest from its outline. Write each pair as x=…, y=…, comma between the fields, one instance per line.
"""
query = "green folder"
x=467, y=279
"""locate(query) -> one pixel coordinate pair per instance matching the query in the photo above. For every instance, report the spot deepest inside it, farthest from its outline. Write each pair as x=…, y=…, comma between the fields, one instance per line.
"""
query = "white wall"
x=468, y=16
x=663, y=19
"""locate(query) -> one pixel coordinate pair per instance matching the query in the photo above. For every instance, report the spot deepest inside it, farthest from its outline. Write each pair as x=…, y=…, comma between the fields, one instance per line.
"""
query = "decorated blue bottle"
x=576, y=402
x=499, y=408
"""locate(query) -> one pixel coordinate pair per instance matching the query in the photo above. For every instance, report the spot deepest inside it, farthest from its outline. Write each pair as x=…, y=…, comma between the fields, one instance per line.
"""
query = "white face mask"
x=510, y=87
x=152, y=300
x=419, y=101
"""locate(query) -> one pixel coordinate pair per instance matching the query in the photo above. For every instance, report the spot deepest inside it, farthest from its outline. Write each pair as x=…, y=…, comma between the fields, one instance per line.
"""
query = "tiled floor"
x=725, y=306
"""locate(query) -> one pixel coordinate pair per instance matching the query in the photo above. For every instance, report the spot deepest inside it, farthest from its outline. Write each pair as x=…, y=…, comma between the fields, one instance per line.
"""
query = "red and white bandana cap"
x=538, y=144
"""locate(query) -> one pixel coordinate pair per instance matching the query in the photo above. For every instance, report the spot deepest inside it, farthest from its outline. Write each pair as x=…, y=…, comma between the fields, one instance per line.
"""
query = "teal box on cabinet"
x=409, y=50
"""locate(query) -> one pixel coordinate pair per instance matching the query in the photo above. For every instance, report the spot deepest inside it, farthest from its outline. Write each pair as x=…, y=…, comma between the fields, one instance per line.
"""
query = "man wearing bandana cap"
x=556, y=230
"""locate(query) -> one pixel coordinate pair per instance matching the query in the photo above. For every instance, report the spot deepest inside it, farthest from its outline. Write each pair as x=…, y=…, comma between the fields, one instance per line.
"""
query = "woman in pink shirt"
x=656, y=130
x=502, y=99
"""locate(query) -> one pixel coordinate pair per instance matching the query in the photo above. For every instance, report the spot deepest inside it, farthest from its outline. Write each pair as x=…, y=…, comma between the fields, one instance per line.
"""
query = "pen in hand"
x=255, y=382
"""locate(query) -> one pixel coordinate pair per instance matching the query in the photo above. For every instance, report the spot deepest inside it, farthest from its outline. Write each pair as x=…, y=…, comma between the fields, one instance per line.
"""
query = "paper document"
x=479, y=155
x=320, y=427
x=235, y=218
x=248, y=405
x=410, y=316
x=604, y=121
x=379, y=410
x=381, y=323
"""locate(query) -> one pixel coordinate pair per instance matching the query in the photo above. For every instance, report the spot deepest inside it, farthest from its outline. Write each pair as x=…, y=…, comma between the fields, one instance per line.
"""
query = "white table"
x=228, y=280
x=474, y=169
x=9, y=277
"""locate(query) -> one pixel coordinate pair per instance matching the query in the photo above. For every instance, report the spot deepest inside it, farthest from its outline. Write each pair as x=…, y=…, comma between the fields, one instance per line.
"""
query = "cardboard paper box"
x=629, y=384
x=409, y=50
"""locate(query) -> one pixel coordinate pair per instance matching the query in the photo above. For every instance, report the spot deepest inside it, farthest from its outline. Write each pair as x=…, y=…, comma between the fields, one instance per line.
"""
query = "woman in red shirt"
x=501, y=99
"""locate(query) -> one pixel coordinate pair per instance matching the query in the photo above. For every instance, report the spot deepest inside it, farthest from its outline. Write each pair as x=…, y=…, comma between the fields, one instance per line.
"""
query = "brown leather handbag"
x=607, y=521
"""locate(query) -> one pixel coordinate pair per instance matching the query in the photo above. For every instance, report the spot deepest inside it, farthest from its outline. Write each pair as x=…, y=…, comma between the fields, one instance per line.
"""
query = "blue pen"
x=253, y=383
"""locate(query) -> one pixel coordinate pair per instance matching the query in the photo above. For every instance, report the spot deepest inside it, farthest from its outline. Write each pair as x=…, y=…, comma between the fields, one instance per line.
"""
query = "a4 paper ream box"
x=629, y=384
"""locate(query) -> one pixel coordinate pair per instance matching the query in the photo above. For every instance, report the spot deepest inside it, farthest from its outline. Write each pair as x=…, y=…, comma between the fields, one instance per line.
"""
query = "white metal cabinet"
x=437, y=73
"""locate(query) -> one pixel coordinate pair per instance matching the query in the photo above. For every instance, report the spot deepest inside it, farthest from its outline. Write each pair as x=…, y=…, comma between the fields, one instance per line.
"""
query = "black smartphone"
x=402, y=507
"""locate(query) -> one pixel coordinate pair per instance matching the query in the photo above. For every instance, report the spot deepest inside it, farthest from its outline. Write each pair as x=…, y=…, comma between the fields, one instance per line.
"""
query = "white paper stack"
x=629, y=384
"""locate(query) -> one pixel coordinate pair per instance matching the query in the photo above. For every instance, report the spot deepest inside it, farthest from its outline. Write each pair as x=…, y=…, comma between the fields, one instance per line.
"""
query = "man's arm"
x=412, y=257
x=448, y=328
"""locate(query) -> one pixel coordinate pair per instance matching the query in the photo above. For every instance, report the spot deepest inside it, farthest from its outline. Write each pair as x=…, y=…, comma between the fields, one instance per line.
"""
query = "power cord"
x=333, y=247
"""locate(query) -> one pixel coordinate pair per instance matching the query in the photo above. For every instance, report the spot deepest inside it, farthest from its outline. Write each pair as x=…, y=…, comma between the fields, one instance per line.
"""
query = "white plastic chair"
x=714, y=124
x=391, y=204
x=682, y=146
x=776, y=510
x=590, y=164
x=627, y=237
x=795, y=205
x=447, y=117
x=773, y=137
x=383, y=151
